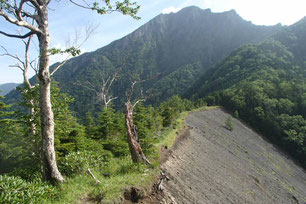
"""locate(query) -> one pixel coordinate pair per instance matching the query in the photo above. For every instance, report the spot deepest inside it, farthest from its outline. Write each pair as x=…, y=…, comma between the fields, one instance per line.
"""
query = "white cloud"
x=59, y=46
x=171, y=9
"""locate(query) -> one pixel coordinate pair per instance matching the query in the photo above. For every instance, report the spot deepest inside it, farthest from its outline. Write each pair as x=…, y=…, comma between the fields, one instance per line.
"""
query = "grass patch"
x=121, y=173
x=205, y=108
x=169, y=135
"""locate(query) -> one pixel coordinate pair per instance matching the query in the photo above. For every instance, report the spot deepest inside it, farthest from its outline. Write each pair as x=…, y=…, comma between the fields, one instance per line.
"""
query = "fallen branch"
x=93, y=176
x=163, y=177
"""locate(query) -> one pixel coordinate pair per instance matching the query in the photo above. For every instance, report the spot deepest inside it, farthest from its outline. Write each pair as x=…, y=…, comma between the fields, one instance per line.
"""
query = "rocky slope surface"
x=214, y=165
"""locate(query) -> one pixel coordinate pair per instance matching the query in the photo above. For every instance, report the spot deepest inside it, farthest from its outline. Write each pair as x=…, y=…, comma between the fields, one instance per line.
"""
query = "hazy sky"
x=65, y=18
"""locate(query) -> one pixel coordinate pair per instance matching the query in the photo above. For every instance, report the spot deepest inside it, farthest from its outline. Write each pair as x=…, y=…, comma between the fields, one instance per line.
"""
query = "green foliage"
x=90, y=125
x=15, y=190
x=78, y=152
x=19, y=148
x=111, y=132
x=236, y=114
x=106, y=123
x=5, y=5
x=16, y=148
x=78, y=162
x=265, y=83
x=17, y=151
x=229, y=123
x=72, y=50
x=125, y=7
x=144, y=121
x=171, y=108
x=4, y=114
x=118, y=148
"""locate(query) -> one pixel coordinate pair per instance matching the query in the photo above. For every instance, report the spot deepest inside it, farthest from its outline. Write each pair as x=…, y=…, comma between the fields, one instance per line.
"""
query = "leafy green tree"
x=23, y=147
x=16, y=145
x=106, y=124
x=143, y=121
x=90, y=126
x=170, y=110
x=4, y=114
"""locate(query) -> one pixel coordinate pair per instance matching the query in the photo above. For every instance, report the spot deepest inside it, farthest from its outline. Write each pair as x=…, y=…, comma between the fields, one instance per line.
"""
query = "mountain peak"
x=194, y=8
x=232, y=11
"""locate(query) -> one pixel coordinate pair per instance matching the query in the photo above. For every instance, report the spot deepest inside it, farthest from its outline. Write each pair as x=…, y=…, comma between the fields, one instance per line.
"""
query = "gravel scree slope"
x=214, y=165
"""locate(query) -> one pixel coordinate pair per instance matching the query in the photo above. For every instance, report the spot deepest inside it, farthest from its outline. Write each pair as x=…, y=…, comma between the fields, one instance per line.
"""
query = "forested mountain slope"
x=286, y=49
x=6, y=88
x=265, y=84
x=173, y=48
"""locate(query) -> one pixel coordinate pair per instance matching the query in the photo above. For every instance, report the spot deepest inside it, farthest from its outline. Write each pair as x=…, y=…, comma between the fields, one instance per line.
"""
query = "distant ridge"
x=7, y=87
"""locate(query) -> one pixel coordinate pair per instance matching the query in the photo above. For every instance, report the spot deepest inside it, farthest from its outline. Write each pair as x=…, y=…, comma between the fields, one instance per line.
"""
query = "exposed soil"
x=210, y=164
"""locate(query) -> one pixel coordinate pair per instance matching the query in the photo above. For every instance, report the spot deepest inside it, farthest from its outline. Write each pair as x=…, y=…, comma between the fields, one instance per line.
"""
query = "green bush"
x=229, y=123
x=118, y=148
x=78, y=162
x=236, y=114
x=16, y=190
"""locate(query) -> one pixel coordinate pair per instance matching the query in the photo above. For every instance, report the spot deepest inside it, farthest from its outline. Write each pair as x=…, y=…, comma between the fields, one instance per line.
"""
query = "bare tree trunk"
x=135, y=148
x=32, y=116
x=50, y=169
x=28, y=84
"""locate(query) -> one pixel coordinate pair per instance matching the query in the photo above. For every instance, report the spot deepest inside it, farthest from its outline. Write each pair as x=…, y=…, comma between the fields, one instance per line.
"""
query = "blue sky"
x=65, y=18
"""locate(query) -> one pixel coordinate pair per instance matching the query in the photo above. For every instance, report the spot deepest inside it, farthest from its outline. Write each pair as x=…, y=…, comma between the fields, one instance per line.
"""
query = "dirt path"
x=215, y=165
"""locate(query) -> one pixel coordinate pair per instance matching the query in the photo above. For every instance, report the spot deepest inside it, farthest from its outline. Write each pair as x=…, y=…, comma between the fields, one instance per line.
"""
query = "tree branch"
x=17, y=36
x=91, y=87
x=20, y=23
x=12, y=56
x=79, y=5
x=35, y=4
x=60, y=65
x=17, y=66
x=88, y=32
x=140, y=100
x=18, y=10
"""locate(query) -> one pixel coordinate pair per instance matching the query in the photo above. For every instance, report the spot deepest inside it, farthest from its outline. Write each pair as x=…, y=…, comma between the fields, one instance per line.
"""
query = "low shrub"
x=16, y=190
x=78, y=162
x=229, y=123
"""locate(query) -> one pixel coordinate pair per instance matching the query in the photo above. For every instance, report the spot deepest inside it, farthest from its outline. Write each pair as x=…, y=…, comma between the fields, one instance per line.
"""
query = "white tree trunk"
x=50, y=169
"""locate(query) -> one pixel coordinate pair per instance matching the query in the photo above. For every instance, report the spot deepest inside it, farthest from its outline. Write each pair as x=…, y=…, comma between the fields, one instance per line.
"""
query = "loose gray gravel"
x=214, y=165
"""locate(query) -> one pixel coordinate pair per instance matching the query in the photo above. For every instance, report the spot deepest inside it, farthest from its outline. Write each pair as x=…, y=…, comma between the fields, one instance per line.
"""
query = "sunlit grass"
x=170, y=134
x=121, y=174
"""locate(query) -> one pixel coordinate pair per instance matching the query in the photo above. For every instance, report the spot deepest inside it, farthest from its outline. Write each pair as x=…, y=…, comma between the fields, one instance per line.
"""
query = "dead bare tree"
x=137, y=154
x=102, y=90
